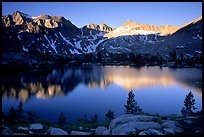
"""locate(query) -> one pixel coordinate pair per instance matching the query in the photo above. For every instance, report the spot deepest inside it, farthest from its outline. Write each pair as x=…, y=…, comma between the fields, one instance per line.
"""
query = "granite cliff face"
x=49, y=34
x=17, y=18
x=100, y=27
x=132, y=28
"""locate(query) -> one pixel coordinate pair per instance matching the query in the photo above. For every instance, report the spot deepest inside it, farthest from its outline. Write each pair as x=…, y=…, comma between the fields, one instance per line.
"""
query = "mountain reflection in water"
x=60, y=82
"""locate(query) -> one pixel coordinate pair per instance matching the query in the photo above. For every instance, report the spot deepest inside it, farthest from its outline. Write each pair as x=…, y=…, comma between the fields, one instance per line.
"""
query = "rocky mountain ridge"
x=133, y=28
x=56, y=35
x=100, y=27
x=49, y=34
x=148, y=39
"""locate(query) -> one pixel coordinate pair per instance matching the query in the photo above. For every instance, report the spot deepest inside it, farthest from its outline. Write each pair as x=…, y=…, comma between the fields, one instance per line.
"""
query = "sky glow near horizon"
x=113, y=14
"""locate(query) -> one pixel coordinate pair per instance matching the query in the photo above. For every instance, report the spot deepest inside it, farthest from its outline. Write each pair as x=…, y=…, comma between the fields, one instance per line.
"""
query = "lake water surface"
x=79, y=91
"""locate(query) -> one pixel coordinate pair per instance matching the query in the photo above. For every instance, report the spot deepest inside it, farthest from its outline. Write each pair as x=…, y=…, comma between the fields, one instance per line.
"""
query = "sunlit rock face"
x=100, y=27
x=133, y=28
x=17, y=18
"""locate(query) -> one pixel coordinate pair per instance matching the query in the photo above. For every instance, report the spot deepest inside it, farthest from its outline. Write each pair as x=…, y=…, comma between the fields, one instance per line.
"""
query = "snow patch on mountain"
x=44, y=45
x=200, y=52
x=35, y=17
x=51, y=43
x=56, y=35
x=92, y=48
x=112, y=47
x=65, y=39
x=25, y=49
x=74, y=51
x=19, y=37
x=77, y=44
x=61, y=24
x=100, y=34
x=200, y=37
x=127, y=49
x=81, y=31
x=46, y=38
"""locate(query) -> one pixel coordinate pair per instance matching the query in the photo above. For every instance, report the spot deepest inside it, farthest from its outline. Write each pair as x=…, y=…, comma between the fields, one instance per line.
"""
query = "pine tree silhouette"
x=20, y=110
x=61, y=119
x=11, y=115
x=110, y=115
x=189, y=103
x=131, y=107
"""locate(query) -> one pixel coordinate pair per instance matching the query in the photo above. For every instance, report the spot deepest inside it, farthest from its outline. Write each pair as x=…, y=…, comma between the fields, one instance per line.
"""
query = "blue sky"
x=113, y=14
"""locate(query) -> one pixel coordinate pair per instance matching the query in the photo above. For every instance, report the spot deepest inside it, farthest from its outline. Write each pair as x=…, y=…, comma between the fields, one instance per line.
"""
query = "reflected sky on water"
x=79, y=91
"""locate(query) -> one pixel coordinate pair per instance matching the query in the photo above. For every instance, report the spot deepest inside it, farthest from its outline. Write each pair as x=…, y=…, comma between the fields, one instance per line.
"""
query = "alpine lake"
x=89, y=90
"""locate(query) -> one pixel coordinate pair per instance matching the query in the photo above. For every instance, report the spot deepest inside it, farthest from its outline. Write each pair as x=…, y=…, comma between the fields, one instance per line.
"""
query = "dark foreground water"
x=79, y=91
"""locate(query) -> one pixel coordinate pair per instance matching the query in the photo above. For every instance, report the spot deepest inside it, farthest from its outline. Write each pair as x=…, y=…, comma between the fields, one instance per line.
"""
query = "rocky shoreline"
x=128, y=124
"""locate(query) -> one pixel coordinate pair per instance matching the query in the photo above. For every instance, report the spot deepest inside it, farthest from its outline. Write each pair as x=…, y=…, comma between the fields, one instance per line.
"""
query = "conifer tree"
x=131, y=107
x=189, y=103
x=20, y=110
x=11, y=115
x=110, y=115
x=61, y=119
x=94, y=119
